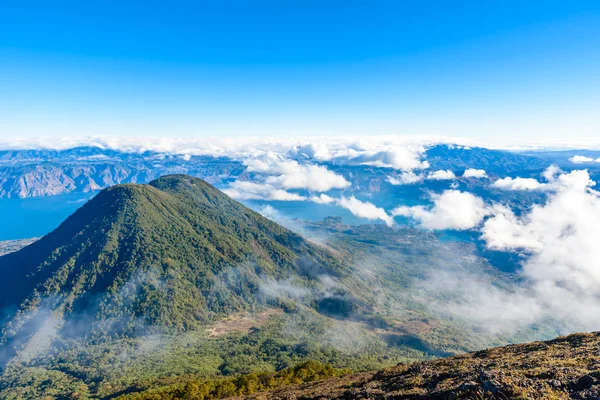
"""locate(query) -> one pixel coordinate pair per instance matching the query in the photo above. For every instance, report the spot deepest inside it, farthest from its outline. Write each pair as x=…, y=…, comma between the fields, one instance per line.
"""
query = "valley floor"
x=9, y=246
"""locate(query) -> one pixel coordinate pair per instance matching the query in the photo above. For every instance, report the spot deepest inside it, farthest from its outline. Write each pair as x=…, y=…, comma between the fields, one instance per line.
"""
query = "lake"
x=36, y=216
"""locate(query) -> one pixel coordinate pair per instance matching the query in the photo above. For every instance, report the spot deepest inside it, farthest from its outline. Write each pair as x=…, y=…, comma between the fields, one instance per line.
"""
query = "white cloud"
x=313, y=151
x=311, y=177
x=242, y=190
x=405, y=178
x=293, y=175
x=475, y=173
x=473, y=298
x=268, y=163
x=322, y=199
x=365, y=210
x=552, y=174
x=401, y=158
x=505, y=231
x=318, y=148
x=562, y=238
x=290, y=223
x=559, y=280
x=583, y=159
x=451, y=210
x=395, y=152
x=518, y=184
x=441, y=175
x=398, y=152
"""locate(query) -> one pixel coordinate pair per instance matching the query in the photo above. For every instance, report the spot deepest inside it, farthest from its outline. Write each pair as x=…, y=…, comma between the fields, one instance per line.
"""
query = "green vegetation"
x=244, y=385
x=122, y=293
x=127, y=294
x=169, y=255
x=158, y=361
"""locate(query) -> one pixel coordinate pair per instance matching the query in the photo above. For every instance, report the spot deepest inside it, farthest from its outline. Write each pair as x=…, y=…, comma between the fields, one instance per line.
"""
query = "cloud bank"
x=452, y=209
x=559, y=279
x=290, y=174
x=314, y=147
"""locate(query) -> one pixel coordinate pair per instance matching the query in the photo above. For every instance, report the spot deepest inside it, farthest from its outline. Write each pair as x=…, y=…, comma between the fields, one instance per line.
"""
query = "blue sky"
x=479, y=69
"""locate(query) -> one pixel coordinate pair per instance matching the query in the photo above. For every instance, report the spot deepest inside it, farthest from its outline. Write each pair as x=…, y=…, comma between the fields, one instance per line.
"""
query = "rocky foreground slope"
x=563, y=368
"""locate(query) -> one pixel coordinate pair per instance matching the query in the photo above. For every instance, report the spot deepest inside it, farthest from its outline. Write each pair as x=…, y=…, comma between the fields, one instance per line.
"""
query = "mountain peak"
x=165, y=255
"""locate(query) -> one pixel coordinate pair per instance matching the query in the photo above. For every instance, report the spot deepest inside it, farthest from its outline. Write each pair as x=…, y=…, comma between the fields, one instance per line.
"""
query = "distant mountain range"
x=32, y=173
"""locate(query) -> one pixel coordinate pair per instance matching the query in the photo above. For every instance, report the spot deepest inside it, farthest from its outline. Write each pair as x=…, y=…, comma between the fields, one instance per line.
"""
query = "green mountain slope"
x=148, y=286
x=155, y=256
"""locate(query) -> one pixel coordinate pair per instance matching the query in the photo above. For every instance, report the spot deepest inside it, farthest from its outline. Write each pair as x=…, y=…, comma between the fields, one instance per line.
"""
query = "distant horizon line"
x=194, y=145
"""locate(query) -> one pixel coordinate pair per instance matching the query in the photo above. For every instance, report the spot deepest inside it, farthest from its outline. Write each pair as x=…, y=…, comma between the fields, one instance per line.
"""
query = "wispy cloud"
x=405, y=178
x=366, y=210
x=244, y=190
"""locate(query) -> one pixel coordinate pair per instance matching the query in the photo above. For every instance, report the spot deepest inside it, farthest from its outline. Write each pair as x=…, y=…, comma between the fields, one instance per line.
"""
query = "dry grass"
x=563, y=368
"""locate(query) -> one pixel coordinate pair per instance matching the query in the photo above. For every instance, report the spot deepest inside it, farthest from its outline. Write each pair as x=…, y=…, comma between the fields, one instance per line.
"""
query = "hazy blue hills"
x=33, y=173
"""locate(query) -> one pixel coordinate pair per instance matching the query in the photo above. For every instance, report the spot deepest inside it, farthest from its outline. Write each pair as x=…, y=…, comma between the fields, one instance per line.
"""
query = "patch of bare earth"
x=243, y=322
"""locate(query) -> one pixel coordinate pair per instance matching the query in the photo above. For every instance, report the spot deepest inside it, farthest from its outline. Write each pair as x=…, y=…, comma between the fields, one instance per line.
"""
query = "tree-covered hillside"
x=150, y=286
x=151, y=257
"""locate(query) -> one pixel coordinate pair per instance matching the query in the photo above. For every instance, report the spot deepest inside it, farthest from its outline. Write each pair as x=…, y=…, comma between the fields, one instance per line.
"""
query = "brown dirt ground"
x=242, y=322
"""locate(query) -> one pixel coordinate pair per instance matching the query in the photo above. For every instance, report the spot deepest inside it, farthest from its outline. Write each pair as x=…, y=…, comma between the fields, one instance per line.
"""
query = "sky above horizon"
x=479, y=69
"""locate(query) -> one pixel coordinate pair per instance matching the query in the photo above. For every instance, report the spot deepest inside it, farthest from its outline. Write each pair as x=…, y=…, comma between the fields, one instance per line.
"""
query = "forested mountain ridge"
x=151, y=257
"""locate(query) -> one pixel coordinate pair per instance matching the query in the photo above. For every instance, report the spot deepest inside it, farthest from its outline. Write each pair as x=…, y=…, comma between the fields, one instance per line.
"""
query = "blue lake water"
x=37, y=216
x=33, y=217
x=305, y=211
